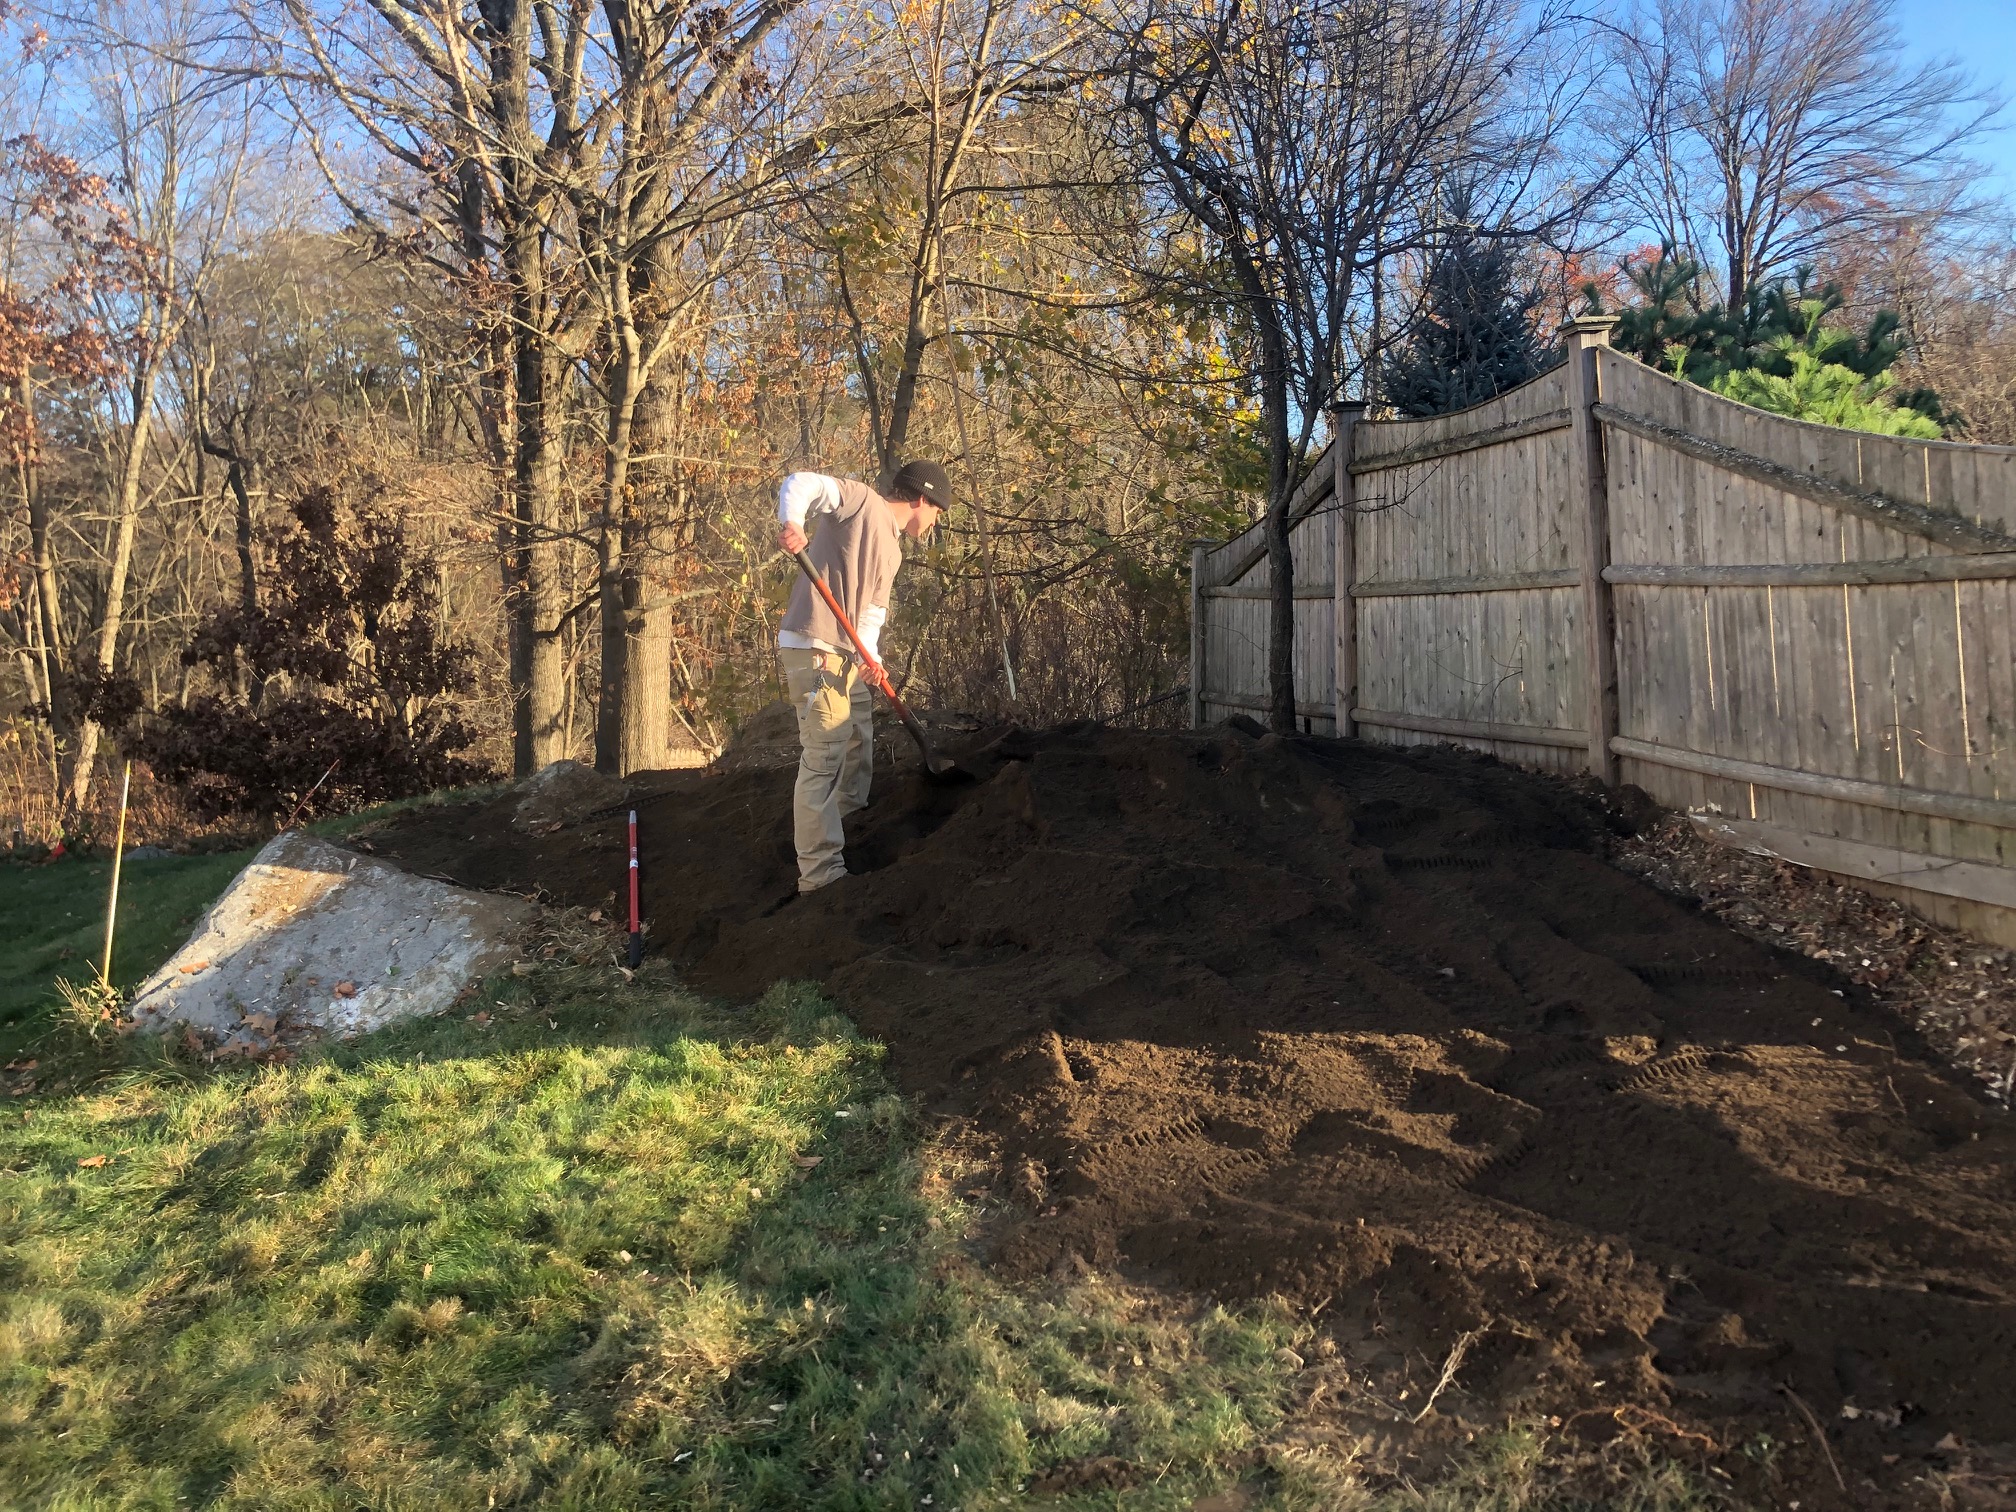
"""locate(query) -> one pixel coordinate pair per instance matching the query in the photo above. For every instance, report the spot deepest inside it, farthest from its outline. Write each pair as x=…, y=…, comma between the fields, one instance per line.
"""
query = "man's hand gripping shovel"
x=938, y=768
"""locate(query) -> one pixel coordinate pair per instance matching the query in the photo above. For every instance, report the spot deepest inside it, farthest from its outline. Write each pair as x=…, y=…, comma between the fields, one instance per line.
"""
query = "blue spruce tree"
x=1473, y=336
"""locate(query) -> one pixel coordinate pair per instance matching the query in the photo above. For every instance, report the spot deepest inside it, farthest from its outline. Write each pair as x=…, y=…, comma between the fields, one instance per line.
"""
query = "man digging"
x=857, y=549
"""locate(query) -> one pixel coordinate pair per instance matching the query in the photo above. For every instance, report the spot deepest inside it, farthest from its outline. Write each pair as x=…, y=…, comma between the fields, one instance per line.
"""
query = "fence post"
x=1590, y=500
x=1344, y=420
x=1199, y=552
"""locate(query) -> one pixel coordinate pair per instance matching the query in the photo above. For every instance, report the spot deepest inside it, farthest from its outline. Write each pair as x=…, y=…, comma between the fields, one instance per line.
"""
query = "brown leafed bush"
x=341, y=688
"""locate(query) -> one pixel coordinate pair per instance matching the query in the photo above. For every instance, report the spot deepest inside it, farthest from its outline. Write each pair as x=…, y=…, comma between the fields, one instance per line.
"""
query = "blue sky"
x=1981, y=34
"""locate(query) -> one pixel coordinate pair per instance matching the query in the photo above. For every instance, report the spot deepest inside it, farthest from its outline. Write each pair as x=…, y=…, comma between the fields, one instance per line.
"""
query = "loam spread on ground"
x=1378, y=1030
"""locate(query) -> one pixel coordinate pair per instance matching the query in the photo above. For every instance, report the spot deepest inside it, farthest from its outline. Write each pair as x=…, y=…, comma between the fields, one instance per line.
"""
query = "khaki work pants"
x=836, y=760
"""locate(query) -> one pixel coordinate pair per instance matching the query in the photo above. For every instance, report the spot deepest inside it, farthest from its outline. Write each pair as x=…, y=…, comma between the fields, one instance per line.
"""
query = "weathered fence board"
x=1813, y=630
x=1860, y=673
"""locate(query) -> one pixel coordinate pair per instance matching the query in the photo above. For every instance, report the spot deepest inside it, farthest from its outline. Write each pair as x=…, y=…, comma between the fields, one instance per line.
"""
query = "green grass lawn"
x=611, y=1246
x=613, y=1249
x=55, y=926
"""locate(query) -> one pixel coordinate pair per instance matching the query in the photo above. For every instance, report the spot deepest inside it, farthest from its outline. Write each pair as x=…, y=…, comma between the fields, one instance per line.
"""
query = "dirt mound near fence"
x=1381, y=1031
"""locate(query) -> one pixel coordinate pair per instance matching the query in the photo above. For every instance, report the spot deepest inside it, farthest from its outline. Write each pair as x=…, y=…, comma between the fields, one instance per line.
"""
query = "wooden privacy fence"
x=1804, y=636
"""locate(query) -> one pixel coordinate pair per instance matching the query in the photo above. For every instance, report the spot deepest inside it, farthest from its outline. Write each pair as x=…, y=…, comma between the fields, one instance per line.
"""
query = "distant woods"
x=393, y=395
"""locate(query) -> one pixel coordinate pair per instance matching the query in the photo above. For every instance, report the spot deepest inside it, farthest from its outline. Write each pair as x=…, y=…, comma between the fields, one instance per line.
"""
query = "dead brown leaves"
x=1957, y=991
x=259, y=1038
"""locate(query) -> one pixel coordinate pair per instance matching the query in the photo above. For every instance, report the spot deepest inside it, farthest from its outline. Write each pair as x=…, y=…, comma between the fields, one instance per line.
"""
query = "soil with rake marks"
x=1380, y=1031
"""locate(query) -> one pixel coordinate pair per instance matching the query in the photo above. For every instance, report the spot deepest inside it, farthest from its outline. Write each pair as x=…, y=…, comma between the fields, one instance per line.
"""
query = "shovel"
x=938, y=768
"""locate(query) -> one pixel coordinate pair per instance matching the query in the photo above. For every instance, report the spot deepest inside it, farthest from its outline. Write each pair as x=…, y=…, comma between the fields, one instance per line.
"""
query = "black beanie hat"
x=923, y=480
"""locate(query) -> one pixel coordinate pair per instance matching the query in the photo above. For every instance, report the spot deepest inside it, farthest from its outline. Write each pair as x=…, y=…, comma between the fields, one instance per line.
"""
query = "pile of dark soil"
x=1381, y=1031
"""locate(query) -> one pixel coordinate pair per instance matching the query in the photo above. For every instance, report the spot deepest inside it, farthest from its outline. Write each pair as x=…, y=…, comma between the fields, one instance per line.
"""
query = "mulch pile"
x=1384, y=1032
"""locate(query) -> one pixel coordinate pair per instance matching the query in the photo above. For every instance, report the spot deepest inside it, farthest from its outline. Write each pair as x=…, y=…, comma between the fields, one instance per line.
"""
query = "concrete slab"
x=311, y=938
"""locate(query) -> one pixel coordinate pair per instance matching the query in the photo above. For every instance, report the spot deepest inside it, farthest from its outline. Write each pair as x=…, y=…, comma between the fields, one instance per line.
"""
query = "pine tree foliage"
x=1827, y=392
x=1782, y=349
x=1474, y=336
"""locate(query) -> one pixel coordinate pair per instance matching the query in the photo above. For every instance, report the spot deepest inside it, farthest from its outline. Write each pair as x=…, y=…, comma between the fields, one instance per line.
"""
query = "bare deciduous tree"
x=686, y=130
x=172, y=142
x=1311, y=141
x=1777, y=129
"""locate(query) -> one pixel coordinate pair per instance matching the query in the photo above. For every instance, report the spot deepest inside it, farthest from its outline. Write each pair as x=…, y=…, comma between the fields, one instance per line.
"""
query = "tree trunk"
x=545, y=687
x=903, y=397
x=611, y=570
x=1736, y=242
x=83, y=755
x=250, y=686
x=532, y=573
x=903, y=400
x=532, y=578
x=615, y=569
x=1280, y=555
x=647, y=672
x=648, y=620
x=248, y=568
x=37, y=656
x=42, y=548
x=1281, y=617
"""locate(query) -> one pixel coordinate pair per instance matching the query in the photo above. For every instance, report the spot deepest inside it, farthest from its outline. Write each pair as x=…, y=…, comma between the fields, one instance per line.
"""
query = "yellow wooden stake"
x=118, y=854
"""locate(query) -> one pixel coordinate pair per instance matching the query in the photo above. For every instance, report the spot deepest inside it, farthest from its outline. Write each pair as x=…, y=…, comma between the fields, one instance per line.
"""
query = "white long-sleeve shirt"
x=803, y=495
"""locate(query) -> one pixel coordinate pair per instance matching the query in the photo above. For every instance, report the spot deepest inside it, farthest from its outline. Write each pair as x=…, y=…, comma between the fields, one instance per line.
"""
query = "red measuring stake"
x=636, y=927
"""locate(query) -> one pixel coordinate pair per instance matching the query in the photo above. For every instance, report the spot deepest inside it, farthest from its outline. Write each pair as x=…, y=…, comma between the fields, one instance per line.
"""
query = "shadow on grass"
x=605, y=1246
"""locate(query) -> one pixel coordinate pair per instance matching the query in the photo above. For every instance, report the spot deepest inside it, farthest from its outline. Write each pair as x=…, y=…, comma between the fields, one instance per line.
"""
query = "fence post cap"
x=1586, y=330
x=1348, y=406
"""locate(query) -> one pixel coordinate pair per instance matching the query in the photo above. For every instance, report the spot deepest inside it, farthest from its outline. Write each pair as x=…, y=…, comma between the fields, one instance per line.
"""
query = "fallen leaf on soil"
x=261, y=1023
x=522, y=968
x=345, y=988
x=479, y=1018
x=195, y=966
x=23, y=1065
x=92, y=1162
x=806, y=1162
x=1947, y=1445
x=594, y=916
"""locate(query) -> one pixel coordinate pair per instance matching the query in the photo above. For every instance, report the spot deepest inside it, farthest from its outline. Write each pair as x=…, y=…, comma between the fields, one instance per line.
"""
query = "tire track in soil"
x=1378, y=1027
